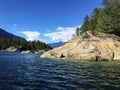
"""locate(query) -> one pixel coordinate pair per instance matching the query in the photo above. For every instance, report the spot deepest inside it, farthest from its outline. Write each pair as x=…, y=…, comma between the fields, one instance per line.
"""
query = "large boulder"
x=88, y=47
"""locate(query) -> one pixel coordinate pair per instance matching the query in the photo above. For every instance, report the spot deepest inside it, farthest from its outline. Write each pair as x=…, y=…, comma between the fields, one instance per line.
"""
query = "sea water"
x=30, y=72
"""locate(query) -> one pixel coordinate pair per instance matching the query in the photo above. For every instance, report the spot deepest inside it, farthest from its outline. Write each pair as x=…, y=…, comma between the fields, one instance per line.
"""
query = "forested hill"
x=106, y=19
x=8, y=40
x=6, y=35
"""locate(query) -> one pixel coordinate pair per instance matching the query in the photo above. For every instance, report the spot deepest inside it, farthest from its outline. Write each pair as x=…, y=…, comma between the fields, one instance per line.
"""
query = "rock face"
x=11, y=49
x=89, y=46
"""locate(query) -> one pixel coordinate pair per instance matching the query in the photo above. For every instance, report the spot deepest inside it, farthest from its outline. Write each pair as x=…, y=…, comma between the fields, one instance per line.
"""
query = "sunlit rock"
x=88, y=46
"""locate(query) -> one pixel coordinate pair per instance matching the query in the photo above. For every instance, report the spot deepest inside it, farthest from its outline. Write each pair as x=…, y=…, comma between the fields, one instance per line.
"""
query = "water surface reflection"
x=28, y=71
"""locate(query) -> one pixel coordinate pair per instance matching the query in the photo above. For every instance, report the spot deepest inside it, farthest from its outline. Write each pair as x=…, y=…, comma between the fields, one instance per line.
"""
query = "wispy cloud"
x=31, y=35
x=14, y=26
x=62, y=34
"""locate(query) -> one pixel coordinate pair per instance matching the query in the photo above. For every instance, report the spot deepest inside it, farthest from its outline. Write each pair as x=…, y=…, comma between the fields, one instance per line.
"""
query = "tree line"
x=23, y=44
x=106, y=19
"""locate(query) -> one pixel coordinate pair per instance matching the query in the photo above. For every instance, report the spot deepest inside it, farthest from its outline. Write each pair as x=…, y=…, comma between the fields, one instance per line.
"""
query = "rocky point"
x=90, y=45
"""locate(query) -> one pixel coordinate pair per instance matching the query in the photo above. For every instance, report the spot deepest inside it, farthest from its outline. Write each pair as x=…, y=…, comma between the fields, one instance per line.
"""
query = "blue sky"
x=46, y=20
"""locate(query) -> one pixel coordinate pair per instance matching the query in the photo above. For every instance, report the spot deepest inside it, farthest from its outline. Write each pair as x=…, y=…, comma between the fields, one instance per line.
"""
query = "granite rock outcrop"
x=90, y=45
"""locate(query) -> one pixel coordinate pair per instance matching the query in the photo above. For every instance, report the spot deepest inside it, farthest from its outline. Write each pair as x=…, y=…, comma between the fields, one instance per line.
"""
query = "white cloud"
x=31, y=35
x=60, y=29
x=14, y=26
x=62, y=34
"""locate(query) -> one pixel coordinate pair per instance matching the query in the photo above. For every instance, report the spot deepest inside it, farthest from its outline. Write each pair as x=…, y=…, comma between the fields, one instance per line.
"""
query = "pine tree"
x=109, y=19
x=85, y=25
x=106, y=20
x=94, y=19
x=77, y=31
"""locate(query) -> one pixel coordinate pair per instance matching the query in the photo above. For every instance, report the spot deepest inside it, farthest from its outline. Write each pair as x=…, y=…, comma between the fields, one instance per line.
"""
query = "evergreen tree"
x=105, y=2
x=85, y=25
x=106, y=20
x=30, y=45
x=94, y=19
x=77, y=31
x=109, y=19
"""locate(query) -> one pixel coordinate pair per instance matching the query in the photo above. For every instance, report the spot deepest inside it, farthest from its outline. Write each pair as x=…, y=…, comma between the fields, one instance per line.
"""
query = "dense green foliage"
x=106, y=20
x=23, y=45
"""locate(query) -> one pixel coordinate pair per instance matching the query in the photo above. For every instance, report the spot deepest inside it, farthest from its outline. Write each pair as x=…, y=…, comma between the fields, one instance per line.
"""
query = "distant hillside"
x=7, y=35
x=57, y=44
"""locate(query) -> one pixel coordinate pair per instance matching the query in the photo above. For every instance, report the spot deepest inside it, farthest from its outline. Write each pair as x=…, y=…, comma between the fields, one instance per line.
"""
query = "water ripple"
x=29, y=72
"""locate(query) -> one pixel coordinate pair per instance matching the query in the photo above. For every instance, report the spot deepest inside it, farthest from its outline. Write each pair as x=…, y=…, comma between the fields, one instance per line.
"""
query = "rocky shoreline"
x=14, y=49
x=90, y=45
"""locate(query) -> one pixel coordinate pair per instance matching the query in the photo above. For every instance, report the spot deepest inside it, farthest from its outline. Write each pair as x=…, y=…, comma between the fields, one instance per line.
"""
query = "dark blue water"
x=29, y=72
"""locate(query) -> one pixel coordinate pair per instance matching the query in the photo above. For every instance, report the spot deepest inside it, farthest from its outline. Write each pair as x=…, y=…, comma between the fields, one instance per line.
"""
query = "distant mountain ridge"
x=7, y=35
x=57, y=44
